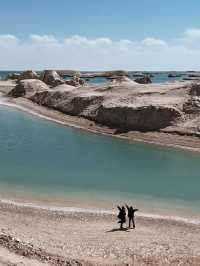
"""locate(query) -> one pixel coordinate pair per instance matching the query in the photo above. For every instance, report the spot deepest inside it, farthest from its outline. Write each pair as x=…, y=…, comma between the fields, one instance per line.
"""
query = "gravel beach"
x=94, y=239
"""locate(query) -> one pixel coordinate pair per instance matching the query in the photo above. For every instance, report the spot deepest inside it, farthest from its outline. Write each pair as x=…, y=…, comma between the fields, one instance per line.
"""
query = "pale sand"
x=8, y=258
x=94, y=238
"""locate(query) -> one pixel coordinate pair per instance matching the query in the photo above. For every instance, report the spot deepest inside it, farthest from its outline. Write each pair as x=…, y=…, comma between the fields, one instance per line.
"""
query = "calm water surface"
x=43, y=158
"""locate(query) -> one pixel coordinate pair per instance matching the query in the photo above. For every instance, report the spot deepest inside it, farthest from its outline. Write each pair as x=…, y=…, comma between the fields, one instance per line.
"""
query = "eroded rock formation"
x=144, y=118
x=27, y=88
x=51, y=78
x=124, y=105
x=122, y=80
x=127, y=107
x=75, y=81
x=29, y=74
x=143, y=80
x=13, y=76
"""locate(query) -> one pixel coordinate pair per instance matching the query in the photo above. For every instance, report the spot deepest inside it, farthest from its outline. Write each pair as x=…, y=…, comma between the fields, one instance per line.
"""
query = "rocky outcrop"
x=138, y=74
x=192, y=105
x=192, y=77
x=68, y=73
x=51, y=78
x=106, y=74
x=115, y=73
x=69, y=102
x=76, y=81
x=85, y=106
x=122, y=80
x=126, y=107
x=52, y=98
x=174, y=75
x=195, y=89
x=144, y=118
x=27, y=88
x=143, y=80
x=29, y=74
x=196, y=75
x=13, y=76
x=122, y=105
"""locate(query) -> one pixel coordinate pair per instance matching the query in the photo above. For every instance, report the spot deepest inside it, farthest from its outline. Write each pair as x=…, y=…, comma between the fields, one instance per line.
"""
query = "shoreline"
x=94, y=239
x=166, y=140
x=98, y=211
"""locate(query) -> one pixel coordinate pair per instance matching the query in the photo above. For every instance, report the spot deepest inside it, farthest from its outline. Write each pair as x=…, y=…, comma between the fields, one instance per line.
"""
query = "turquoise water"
x=43, y=158
x=161, y=77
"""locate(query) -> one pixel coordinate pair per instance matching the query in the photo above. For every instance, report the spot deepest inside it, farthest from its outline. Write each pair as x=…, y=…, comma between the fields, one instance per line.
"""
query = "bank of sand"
x=91, y=238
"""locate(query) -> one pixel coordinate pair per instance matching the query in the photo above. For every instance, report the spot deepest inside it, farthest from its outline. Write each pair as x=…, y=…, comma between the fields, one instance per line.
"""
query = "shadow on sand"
x=118, y=230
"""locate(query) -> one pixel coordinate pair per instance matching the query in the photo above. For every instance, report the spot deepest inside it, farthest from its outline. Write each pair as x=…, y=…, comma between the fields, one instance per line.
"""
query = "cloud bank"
x=80, y=52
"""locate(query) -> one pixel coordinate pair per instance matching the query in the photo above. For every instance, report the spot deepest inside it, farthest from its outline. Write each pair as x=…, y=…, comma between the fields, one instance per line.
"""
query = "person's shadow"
x=117, y=230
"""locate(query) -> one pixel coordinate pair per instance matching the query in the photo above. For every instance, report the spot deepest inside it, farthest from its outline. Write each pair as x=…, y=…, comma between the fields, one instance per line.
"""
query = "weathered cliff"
x=27, y=88
x=125, y=106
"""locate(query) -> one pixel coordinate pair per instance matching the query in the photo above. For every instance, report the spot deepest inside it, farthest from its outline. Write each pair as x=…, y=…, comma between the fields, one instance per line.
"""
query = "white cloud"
x=126, y=42
x=43, y=38
x=154, y=42
x=192, y=34
x=8, y=39
x=84, y=41
x=80, y=52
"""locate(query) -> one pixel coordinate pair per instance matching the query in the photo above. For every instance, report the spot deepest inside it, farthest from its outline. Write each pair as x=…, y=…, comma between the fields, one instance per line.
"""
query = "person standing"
x=121, y=216
x=131, y=215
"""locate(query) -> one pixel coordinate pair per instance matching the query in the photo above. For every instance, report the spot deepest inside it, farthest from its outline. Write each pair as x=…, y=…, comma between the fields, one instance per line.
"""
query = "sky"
x=100, y=35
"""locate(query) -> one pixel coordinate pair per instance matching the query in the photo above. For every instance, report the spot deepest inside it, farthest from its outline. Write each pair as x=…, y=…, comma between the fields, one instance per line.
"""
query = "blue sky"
x=143, y=34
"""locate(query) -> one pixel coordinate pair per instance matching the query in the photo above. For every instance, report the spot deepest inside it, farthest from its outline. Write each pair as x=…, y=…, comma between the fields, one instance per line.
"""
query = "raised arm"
x=127, y=206
x=119, y=208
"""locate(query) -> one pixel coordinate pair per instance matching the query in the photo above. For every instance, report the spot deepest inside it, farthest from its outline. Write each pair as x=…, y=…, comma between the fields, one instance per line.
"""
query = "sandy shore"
x=56, y=237
x=8, y=258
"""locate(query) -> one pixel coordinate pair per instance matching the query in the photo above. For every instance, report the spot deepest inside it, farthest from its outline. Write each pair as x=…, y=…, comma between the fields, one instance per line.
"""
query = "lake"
x=39, y=158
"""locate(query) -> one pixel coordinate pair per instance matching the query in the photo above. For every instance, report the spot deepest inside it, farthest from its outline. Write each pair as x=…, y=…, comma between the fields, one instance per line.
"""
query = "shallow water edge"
x=157, y=215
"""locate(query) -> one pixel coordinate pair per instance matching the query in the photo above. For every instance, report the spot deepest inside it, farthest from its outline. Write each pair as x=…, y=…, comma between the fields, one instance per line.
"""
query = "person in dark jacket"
x=131, y=215
x=121, y=216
